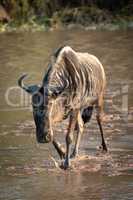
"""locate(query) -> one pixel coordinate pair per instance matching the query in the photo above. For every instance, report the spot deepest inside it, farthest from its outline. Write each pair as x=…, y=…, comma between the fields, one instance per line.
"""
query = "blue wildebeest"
x=73, y=85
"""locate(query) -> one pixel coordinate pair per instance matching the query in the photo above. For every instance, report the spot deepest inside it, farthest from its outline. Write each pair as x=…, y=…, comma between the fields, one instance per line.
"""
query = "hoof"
x=66, y=165
x=103, y=148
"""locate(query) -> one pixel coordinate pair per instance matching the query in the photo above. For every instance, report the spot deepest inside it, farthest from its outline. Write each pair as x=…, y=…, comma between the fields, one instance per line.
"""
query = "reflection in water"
x=26, y=168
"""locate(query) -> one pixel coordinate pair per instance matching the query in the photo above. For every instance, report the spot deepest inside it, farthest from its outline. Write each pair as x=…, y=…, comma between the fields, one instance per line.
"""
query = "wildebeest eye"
x=41, y=112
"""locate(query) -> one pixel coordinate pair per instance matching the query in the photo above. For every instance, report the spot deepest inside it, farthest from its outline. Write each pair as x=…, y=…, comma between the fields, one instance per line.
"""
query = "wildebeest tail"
x=87, y=113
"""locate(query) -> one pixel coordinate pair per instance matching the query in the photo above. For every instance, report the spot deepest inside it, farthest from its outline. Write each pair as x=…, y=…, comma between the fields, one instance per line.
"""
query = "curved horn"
x=21, y=83
x=30, y=89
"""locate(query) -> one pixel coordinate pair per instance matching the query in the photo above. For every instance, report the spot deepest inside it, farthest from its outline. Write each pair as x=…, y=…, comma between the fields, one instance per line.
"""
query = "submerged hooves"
x=103, y=148
x=66, y=165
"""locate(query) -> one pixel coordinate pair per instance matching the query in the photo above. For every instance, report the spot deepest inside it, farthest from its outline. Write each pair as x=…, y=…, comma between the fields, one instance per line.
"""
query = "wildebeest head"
x=42, y=105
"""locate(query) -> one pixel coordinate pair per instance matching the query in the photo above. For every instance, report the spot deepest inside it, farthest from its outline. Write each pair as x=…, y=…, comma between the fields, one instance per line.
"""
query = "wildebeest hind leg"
x=101, y=130
x=99, y=109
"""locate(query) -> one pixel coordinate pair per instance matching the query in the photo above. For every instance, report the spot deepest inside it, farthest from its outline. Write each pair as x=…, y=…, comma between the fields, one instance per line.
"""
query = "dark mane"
x=49, y=67
x=45, y=79
x=57, y=51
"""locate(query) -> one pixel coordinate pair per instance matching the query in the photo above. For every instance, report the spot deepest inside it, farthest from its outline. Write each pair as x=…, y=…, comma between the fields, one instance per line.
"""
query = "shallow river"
x=27, y=171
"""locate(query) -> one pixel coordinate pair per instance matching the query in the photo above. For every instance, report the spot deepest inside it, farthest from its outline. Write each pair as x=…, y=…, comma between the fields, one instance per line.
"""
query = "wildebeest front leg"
x=59, y=149
x=80, y=126
x=69, y=137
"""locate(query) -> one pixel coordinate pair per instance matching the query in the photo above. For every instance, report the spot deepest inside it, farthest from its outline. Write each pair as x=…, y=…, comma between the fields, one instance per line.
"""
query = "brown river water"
x=27, y=171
